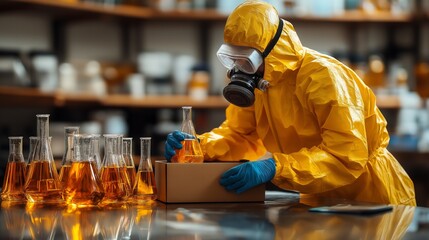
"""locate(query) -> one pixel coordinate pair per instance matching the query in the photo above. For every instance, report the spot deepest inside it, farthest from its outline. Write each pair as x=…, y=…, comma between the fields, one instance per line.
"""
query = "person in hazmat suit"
x=314, y=115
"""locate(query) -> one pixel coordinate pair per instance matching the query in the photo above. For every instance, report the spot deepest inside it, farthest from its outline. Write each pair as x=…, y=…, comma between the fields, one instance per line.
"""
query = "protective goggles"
x=245, y=59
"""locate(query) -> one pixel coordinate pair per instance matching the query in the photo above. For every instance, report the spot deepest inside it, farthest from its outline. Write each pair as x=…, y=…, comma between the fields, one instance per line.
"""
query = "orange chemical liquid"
x=64, y=173
x=42, y=185
x=83, y=187
x=13, y=183
x=190, y=152
x=115, y=185
x=131, y=171
x=94, y=167
x=145, y=187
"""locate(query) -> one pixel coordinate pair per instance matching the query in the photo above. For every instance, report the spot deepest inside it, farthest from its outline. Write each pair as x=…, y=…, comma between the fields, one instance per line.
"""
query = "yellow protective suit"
x=318, y=118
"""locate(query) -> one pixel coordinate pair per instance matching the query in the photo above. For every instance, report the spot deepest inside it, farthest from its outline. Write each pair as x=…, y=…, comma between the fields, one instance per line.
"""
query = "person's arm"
x=235, y=139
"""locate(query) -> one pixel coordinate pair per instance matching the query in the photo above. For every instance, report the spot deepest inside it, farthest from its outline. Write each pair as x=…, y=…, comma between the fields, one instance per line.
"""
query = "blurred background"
x=128, y=66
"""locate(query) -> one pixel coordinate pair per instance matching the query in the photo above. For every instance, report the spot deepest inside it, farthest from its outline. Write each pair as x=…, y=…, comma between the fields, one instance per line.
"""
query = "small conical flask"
x=144, y=188
x=42, y=184
x=33, y=142
x=14, y=179
x=83, y=187
x=127, y=151
x=113, y=175
x=68, y=153
x=191, y=151
x=95, y=141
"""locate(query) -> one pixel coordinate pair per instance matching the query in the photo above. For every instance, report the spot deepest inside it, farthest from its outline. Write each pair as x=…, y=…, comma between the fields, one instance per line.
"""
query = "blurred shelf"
x=77, y=9
x=388, y=101
x=27, y=97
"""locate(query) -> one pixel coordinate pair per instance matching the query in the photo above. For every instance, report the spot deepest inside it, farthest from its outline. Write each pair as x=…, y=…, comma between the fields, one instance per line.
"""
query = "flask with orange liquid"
x=42, y=184
x=144, y=188
x=113, y=176
x=127, y=151
x=13, y=182
x=83, y=187
x=68, y=153
x=191, y=151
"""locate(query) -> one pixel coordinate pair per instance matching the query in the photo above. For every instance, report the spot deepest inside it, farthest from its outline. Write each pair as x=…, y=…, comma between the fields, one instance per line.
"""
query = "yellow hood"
x=257, y=30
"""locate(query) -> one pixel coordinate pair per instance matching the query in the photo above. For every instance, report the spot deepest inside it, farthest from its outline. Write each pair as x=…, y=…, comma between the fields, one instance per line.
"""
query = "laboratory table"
x=283, y=215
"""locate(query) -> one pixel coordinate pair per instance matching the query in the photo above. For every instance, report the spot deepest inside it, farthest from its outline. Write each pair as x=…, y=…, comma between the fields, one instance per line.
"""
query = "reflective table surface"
x=282, y=216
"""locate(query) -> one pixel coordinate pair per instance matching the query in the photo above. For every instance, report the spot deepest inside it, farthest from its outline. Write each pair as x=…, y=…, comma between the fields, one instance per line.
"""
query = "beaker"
x=83, y=187
x=191, y=151
x=68, y=153
x=144, y=188
x=42, y=184
x=127, y=151
x=95, y=141
x=113, y=175
x=14, y=179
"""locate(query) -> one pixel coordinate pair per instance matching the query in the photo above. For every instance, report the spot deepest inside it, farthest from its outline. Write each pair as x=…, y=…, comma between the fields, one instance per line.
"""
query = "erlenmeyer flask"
x=83, y=187
x=127, y=151
x=113, y=175
x=68, y=153
x=95, y=141
x=42, y=184
x=14, y=179
x=191, y=151
x=33, y=142
x=144, y=188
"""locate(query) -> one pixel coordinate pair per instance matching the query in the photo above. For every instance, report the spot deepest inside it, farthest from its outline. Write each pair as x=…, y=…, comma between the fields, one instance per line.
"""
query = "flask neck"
x=43, y=126
x=82, y=147
x=15, y=149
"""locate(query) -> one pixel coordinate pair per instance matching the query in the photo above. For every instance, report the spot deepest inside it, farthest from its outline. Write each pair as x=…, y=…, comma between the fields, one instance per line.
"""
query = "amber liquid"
x=145, y=187
x=115, y=184
x=13, y=183
x=190, y=152
x=42, y=184
x=64, y=173
x=131, y=171
x=83, y=187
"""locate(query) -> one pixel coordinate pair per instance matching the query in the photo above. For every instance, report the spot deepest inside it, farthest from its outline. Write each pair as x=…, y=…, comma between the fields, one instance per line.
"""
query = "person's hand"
x=173, y=142
x=247, y=175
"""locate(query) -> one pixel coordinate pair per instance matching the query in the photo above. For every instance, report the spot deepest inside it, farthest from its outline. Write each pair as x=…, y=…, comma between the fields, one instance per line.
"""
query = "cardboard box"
x=198, y=183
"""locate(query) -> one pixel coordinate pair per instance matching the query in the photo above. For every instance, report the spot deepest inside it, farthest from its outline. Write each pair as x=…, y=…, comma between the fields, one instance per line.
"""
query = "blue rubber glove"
x=173, y=142
x=248, y=175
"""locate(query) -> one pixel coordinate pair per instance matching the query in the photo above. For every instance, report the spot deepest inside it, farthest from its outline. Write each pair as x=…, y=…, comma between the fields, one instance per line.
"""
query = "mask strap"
x=273, y=41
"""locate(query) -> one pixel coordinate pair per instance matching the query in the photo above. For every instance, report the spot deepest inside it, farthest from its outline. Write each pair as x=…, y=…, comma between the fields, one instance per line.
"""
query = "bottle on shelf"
x=69, y=132
x=191, y=151
x=144, y=188
x=14, y=179
x=82, y=186
x=42, y=184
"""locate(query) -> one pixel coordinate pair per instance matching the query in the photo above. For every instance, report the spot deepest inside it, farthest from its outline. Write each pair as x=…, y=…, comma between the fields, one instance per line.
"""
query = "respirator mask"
x=243, y=64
